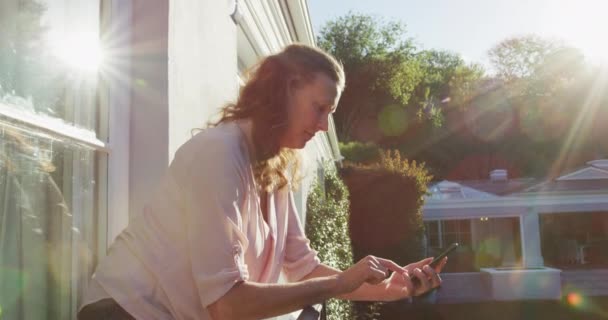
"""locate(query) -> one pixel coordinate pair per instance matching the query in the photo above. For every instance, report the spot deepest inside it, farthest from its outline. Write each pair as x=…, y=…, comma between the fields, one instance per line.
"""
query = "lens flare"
x=392, y=120
x=574, y=299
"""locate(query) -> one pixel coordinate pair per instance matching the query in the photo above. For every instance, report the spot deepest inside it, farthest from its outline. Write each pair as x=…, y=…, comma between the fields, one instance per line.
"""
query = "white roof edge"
x=572, y=175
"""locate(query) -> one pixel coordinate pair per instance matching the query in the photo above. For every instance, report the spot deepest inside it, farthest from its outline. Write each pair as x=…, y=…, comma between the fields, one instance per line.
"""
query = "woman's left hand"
x=428, y=278
x=400, y=286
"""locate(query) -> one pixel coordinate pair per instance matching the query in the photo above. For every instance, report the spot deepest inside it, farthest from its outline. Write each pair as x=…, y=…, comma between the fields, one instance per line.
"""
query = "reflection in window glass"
x=47, y=212
x=49, y=55
x=49, y=64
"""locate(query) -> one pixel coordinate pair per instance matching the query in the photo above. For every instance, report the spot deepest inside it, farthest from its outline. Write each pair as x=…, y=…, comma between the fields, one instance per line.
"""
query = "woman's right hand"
x=372, y=270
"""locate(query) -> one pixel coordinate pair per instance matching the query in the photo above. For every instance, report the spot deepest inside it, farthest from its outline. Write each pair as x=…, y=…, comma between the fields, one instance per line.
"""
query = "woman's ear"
x=293, y=83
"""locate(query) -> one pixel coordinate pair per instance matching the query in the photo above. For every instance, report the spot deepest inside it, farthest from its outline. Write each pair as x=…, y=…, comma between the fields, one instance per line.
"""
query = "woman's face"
x=308, y=108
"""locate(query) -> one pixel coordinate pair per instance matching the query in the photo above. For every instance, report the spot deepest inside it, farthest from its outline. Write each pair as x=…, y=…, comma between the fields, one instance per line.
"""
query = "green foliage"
x=534, y=67
x=390, y=84
x=359, y=152
x=519, y=57
x=327, y=229
x=354, y=37
x=544, y=103
x=380, y=66
x=536, y=115
x=463, y=84
x=386, y=200
x=392, y=161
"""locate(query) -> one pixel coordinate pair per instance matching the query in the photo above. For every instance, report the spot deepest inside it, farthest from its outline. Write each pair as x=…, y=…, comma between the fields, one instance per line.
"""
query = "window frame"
x=115, y=96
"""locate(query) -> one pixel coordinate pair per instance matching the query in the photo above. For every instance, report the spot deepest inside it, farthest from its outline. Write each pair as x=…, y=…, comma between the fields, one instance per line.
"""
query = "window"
x=432, y=234
x=441, y=233
x=456, y=231
x=52, y=155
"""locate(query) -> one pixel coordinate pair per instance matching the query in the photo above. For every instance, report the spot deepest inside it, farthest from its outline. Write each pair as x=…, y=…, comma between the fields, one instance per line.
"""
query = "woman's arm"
x=392, y=288
x=249, y=300
x=363, y=293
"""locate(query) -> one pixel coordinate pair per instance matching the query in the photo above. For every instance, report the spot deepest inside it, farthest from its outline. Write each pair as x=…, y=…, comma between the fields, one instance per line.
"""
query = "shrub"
x=358, y=152
x=327, y=229
x=386, y=200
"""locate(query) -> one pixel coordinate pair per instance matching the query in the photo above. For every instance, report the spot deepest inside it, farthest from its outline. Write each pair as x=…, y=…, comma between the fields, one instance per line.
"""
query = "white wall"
x=202, y=64
x=183, y=70
x=149, y=128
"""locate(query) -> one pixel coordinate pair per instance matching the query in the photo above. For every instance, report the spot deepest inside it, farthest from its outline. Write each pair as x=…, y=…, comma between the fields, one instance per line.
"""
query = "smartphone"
x=447, y=251
x=437, y=260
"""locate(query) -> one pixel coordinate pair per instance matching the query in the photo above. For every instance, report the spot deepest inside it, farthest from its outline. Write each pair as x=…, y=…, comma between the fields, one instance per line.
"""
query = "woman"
x=222, y=225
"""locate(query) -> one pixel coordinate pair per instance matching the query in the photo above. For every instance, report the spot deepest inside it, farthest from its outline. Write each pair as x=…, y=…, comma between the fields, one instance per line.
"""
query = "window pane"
x=465, y=225
x=49, y=55
x=47, y=223
x=465, y=239
x=450, y=226
x=450, y=238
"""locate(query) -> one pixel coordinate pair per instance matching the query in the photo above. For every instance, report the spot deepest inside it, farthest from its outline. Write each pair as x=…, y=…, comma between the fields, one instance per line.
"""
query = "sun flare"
x=580, y=23
x=80, y=51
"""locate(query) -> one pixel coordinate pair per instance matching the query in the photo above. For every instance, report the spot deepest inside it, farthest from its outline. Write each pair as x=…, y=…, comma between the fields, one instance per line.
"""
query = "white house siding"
x=202, y=64
x=149, y=108
x=183, y=70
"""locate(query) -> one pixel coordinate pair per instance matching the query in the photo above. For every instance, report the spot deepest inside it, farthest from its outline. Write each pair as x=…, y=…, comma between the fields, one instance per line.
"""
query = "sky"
x=471, y=27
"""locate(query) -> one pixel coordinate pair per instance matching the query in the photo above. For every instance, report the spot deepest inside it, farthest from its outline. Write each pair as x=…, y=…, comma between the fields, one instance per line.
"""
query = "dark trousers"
x=105, y=309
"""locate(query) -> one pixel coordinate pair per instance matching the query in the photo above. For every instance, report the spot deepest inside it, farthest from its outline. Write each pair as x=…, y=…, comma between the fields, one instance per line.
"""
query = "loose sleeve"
x=213, y=184
x=300, y=259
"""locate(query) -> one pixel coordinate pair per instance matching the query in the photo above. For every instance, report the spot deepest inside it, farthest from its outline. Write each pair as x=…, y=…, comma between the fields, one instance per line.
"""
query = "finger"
x=389, y=264
x=441, y=265
x=376, y=276
x=433, y=277
x=407, y=283
x=372, y=262
x=379, y=264
x=424, y=281
x=410, y=267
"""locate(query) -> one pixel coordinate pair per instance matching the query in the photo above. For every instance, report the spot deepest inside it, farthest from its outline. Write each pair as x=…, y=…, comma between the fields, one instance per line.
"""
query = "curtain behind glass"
x=46, y=223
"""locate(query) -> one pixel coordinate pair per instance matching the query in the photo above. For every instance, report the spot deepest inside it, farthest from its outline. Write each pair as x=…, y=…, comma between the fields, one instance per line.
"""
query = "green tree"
x=391, y=86
x=380, y=65
x=447, y=81
x=547, y=85
x=519, y=57
x=535, y=65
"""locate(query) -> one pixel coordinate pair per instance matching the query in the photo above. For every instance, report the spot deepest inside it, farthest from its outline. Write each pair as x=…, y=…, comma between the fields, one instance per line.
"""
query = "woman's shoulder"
x=223, y=138
x=215, y=143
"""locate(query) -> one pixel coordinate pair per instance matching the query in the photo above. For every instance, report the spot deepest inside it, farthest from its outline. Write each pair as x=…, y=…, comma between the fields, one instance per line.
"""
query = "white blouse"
x=202, y=232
